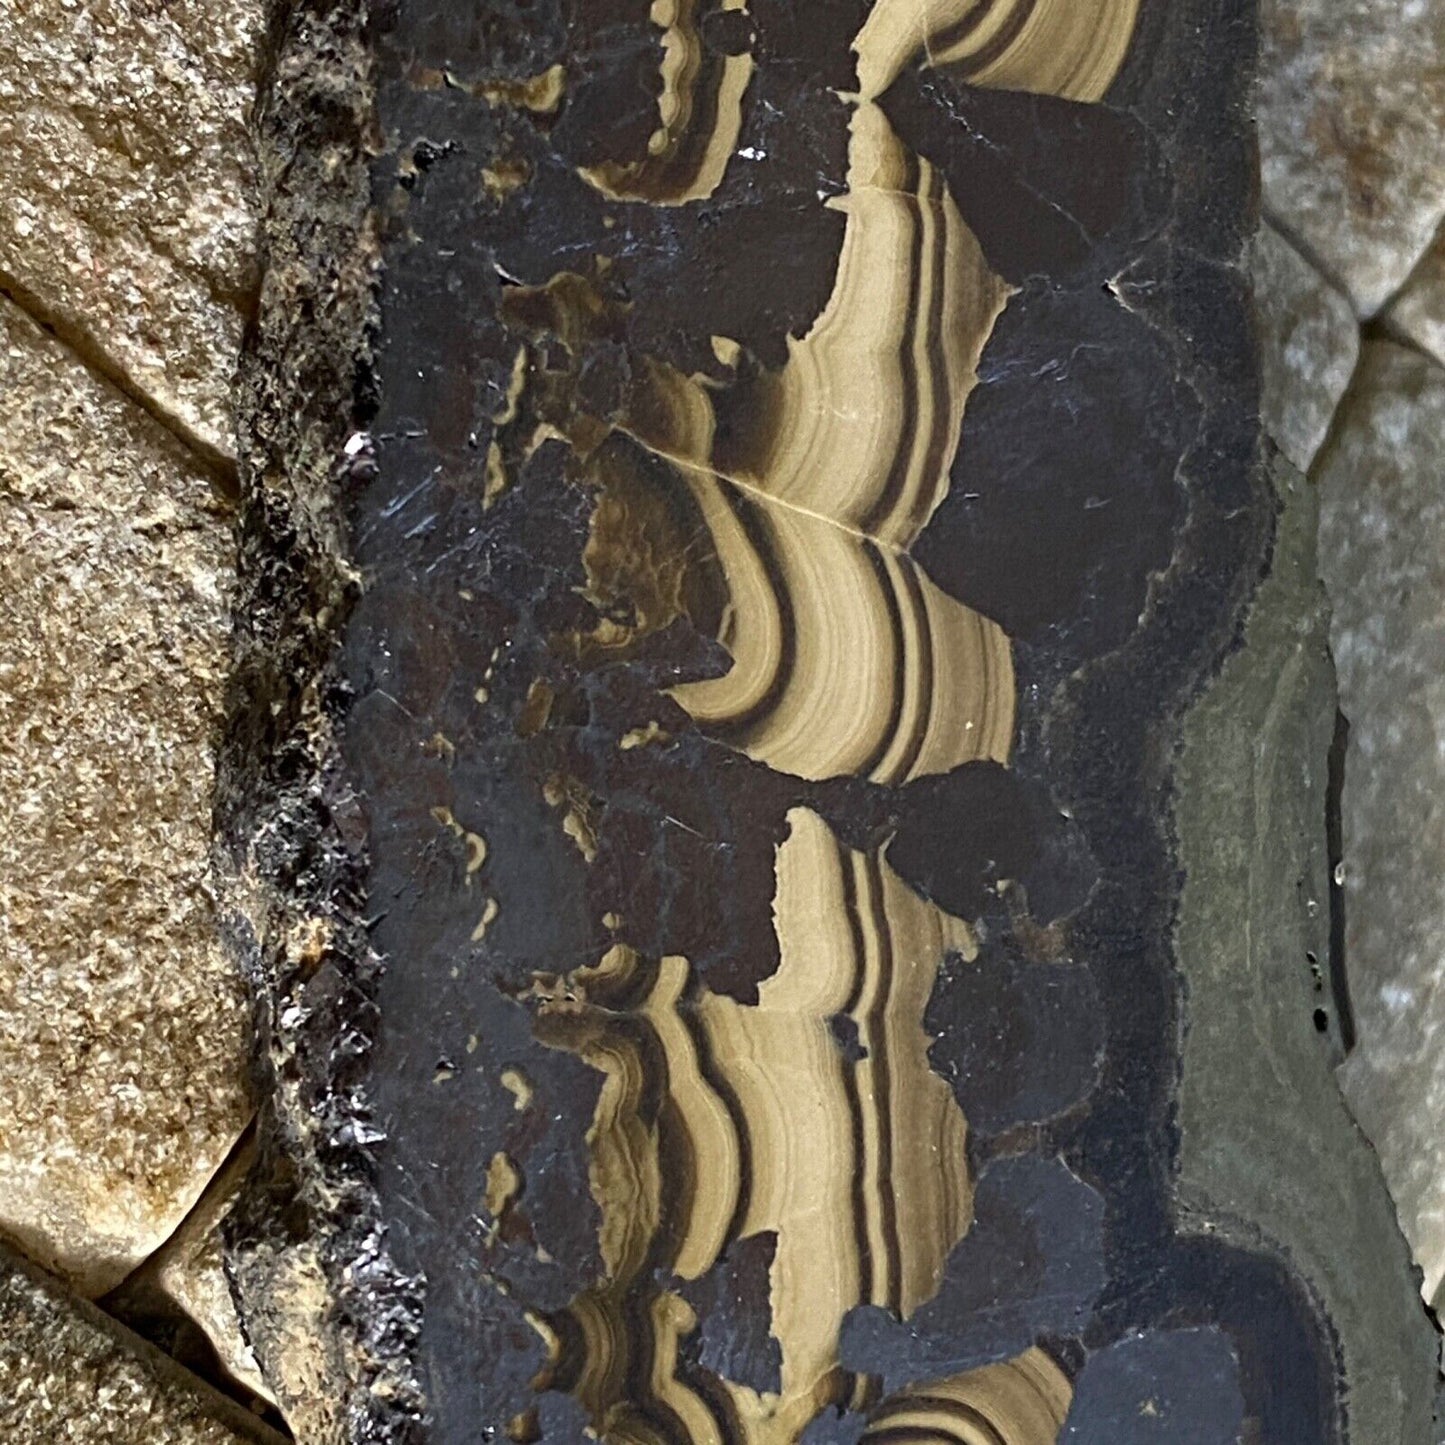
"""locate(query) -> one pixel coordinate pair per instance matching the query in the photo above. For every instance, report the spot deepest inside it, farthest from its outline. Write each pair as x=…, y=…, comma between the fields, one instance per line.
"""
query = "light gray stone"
x=1417, y=314
x=123, y=1025
x=1265, y=1135
x=1309, y=342
x=1382, y=555
x=184, y=1283
x=1352, y=134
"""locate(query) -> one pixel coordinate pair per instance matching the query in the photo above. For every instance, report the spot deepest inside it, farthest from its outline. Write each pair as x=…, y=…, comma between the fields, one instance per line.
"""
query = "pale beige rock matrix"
x=68, y=1374
x=122, y=1025
x=125, y=189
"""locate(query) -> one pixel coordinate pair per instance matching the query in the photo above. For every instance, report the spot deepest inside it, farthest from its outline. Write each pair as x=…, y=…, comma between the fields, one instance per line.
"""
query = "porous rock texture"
x=125, y=190
x=1351, y=119
x=69, y=1373
x=326, y=1313
x=1382, y=555
x=1309, y=342
x=122, y=1023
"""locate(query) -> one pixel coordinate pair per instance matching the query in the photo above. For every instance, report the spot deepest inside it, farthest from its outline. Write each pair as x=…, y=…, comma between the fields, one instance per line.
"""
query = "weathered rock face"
x=752, y=579
x=1254, y=936
x=326, y=1315
x=1382, y=554
x=1309, y=341
x=1354, y=168
x=1351, y=125
x=127, y=217
x=181, y=1298
x=68, y=1373
x=122, y=1026
x=1417, y=314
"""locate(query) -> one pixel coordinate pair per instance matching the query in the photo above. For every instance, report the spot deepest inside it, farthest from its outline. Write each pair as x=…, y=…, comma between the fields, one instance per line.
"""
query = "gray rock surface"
x=1417, y=314
x=1352, y=134
x=70, y=1374
x=126, y=214
x=1309, y=342
x=1382, y=555
x=1252, y=931
x=122, y=1024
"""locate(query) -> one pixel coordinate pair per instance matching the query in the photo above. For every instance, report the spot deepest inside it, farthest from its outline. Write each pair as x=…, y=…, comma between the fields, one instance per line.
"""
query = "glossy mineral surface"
x=814, y=467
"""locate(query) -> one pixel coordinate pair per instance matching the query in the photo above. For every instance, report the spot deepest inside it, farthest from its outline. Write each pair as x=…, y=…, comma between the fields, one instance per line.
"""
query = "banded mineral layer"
x=799, y=469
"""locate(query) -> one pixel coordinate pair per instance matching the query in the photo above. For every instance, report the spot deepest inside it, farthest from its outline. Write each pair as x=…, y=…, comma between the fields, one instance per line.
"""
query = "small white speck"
x=1395, y=998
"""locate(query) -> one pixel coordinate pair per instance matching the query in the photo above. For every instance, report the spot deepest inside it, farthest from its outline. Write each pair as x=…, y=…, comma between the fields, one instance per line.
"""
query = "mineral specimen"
x=721, y=900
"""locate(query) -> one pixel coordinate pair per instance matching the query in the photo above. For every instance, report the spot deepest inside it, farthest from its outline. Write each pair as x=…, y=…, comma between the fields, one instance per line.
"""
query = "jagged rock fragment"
x=1417, y=314
x=180, y=1295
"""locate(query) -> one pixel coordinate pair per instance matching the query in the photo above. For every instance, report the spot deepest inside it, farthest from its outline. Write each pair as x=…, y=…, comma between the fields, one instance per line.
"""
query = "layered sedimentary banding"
x=1022, y=1401
x=1067, y=48
x=700, y=115
x=861, y=424
x=775, y=509
x=812, y=1116
x=814, y=480
x=846, y=658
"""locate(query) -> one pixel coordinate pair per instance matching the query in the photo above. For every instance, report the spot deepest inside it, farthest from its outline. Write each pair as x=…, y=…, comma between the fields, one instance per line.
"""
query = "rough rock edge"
x=327, y=1313
x=1249, y=812
x=83, y=1346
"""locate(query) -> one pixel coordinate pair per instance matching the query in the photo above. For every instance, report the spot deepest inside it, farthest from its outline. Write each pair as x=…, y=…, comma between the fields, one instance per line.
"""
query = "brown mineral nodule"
x=1352, y=135
x=122, y=1025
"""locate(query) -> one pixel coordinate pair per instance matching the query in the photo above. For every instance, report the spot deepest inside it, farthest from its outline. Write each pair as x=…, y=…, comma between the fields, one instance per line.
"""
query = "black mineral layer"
x=807, y=472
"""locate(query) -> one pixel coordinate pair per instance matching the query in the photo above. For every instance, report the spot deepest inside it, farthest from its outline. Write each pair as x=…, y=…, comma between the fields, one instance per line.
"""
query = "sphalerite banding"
x=805, y=472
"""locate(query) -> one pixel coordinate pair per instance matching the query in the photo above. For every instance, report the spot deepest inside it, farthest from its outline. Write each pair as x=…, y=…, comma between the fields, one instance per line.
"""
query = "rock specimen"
x=1308, y=341
x=757, y=498
x=1240, y=779
x=1381, y=538
x=1417, y=314
x=69, y=1373
x=127, y=216
x=122, y=1023
x=1352, y=135
x=180, y=1297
